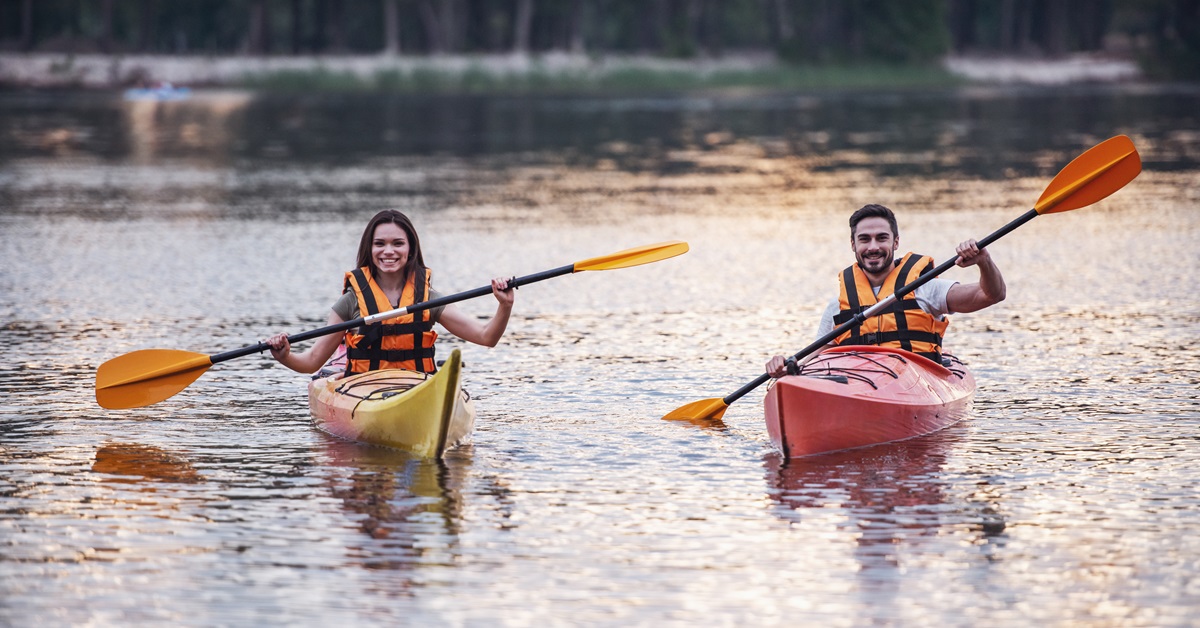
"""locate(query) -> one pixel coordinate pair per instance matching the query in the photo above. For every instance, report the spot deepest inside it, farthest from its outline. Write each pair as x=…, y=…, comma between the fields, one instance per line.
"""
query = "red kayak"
x=857, y=396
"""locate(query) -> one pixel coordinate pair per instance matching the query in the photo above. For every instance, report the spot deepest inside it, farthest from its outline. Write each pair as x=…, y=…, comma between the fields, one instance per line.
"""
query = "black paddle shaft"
x=873, y=310
x=515, y=282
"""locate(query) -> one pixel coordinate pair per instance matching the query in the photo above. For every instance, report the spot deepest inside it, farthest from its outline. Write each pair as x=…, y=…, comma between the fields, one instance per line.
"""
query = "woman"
x=391, y=274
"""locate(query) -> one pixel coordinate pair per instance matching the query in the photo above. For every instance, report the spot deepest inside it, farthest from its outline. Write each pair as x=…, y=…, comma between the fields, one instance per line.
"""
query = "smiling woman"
x=390, y=274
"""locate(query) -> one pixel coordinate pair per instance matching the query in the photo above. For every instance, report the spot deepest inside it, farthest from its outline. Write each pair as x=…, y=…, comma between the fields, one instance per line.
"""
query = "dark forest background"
x=1164, y=35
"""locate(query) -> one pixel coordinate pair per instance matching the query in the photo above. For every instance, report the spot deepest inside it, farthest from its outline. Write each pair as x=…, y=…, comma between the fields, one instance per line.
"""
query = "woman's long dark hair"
x=415, y=263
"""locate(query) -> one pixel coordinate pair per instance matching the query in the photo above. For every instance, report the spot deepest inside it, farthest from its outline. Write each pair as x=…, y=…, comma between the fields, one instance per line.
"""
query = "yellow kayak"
x=416, y=412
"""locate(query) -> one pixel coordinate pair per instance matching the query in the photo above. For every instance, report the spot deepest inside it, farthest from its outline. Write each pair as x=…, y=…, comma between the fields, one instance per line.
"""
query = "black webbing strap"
x=901, y=320
x=419, y=317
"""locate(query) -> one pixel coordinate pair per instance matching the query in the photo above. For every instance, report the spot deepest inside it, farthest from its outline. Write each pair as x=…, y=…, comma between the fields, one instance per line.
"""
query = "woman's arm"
x=472, y=329
x=307, y=361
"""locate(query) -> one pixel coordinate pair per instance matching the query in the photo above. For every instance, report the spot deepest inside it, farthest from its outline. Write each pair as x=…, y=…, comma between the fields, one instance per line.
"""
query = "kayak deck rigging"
x=827, y=367
x=380, y=388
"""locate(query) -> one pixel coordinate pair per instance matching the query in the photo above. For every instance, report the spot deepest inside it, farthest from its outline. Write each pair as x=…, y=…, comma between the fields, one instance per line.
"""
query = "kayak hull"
x=418, y=413
x=850, y=397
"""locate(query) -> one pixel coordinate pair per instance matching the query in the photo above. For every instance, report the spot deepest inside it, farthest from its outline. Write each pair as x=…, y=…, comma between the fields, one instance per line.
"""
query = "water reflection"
x=412, y=506
x=132, y=463
x=873, y=484
x=887, y=497
x=206, y=130
x=979, y=132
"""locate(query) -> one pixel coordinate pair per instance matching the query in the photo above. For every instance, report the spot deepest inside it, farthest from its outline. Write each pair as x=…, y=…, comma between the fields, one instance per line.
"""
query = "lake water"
x=1068, y=498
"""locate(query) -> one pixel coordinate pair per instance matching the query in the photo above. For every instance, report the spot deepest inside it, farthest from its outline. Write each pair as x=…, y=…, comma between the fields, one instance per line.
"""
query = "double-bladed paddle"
x=148, y=376
x=1102, y=170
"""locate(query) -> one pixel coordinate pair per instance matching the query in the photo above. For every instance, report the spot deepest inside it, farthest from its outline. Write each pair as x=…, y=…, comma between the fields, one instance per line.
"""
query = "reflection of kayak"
x=419, y=413
x=856, y=396
x=377, y=486
x=877, y=481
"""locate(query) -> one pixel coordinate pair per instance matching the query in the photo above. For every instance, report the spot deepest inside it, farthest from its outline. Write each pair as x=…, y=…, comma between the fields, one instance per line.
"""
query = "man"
x=915, y=322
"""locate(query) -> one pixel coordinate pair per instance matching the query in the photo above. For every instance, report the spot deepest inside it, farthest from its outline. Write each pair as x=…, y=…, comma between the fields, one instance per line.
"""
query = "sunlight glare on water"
x=1067, y=498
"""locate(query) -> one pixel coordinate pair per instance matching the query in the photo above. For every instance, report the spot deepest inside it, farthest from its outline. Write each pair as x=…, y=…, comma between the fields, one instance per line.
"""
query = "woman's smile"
x=389, y=248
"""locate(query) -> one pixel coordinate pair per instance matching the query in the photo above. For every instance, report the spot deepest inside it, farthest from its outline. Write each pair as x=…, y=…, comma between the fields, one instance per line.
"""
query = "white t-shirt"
x=930, y=296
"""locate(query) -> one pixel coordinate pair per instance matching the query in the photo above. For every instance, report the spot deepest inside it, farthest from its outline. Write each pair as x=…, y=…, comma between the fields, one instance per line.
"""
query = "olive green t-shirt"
x=347, y=306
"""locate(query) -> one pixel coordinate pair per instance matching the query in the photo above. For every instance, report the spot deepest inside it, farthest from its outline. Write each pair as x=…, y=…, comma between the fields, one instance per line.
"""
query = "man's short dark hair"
x=874, y=211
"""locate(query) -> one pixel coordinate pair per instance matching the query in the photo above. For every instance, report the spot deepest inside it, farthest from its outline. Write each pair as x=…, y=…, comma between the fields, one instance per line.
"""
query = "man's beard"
x=884, y=263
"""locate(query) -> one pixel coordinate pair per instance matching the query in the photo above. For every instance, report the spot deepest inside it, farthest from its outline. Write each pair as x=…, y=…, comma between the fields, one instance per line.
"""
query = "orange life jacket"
x=404, y=342
x=903, y=324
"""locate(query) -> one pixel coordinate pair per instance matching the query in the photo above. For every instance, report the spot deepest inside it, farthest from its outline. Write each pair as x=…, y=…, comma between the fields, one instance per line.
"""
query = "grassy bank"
x=532, y=74
x=481, y=80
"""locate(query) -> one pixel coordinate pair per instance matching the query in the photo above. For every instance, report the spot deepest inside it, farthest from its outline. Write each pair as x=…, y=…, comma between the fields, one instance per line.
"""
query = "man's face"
x=874, y=246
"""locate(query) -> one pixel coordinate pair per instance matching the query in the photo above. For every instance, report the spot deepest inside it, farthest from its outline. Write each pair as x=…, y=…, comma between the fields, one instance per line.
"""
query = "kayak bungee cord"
x=392, y=387
x=821, y=365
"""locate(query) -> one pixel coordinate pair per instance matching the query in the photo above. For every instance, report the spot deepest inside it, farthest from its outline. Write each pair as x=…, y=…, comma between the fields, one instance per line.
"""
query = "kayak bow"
x=858, y=396
x=415, y=412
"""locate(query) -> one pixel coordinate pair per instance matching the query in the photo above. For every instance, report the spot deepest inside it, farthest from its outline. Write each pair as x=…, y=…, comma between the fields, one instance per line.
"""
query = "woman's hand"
x=280, y=347
x=505, y=295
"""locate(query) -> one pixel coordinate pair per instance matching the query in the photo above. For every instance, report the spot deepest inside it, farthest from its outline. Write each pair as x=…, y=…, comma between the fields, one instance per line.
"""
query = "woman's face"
x=389, y=248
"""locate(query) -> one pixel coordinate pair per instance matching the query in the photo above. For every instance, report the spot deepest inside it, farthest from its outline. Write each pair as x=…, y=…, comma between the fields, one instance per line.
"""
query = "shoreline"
x=1078, y=68
x=96, y=71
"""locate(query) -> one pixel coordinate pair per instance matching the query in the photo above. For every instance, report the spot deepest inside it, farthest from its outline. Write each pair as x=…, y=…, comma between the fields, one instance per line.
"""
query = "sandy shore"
x=56, y=70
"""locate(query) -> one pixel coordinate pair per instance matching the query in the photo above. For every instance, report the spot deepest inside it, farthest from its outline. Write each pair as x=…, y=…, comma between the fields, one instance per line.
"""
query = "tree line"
x=803, y=31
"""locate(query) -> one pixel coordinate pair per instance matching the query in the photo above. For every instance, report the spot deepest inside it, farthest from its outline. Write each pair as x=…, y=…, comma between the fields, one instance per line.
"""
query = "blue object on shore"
x=160, y=93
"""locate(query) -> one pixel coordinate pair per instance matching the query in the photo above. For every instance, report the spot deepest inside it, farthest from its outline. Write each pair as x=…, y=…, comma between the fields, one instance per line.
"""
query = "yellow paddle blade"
x=148, y=376
x=1102, y=170
x=634, y=257
x=703, y=410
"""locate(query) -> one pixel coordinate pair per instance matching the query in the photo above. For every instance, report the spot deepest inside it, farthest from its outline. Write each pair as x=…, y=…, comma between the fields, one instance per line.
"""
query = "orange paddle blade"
x=1102, y=170
x=634, y=257
x=703, y=410
x=148, y=376
x=133, y=459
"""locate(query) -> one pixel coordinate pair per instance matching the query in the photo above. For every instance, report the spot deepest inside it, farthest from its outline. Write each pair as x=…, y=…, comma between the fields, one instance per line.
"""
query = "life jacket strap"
x=879, y=338
x=417, y=355
x=894, y=307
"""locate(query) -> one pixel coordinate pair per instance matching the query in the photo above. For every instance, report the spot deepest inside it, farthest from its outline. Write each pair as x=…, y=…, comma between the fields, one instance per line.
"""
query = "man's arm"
x=989, y=290
x=776, y=366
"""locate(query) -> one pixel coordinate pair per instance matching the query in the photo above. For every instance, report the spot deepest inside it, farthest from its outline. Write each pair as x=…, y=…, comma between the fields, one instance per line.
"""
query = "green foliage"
x=630, y=78
x=914, y=31
x=1165, y=34
x=904, y=32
